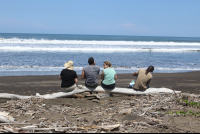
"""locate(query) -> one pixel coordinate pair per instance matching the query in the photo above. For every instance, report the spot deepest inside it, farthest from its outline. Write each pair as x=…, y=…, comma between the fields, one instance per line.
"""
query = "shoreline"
x=188, y=82
x=5, y=73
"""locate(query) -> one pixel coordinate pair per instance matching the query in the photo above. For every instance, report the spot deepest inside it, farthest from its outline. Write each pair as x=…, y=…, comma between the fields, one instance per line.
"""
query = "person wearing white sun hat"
x=69, y=77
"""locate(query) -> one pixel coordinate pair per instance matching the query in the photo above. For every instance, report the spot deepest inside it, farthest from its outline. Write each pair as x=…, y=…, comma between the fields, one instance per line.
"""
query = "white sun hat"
x=69, y=65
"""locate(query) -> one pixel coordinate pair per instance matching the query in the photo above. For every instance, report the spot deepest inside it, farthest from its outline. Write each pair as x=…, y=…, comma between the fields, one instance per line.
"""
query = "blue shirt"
x=109, y=76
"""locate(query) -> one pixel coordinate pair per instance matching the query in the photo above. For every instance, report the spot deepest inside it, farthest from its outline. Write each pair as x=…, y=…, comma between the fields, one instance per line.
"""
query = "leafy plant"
x=183, y=113
x=186, y=101
x=190, y=112
x=191, y=103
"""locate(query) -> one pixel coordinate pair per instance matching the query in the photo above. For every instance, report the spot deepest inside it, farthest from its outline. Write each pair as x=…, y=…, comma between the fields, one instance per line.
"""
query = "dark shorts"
x=89, y=85
x=112, y=86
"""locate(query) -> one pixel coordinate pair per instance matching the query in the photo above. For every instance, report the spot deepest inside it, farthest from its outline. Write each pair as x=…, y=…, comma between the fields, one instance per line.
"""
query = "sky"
x=180, y=18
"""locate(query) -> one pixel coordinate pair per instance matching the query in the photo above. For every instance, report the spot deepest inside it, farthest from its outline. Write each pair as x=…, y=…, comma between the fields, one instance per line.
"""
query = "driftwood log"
x=5, y=118
x=81, y=89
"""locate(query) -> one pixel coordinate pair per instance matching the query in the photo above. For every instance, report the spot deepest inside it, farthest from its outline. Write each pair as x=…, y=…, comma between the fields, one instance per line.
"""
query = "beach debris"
x=125, y=111
x=5, y=118
x=130, y=114
x=80, y=89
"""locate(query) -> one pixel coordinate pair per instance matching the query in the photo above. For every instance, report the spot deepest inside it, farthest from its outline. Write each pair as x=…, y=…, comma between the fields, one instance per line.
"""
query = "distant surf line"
x=95, y=42
x=98, y=50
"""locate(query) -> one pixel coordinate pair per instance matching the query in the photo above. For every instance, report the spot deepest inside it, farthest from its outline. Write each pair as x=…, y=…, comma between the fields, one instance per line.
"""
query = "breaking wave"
x=56, y=68
x=94, y=42
x=98, y=50
x=31, y=45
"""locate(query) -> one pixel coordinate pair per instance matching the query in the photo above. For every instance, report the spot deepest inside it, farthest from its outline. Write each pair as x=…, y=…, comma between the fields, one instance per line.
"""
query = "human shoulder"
x=85, y=67
x=143, y=70
x=70, y=71
x=140, y=70
x=64, y=70
x=67, y=71
x=110, y=69
x=150, y=75
x=96, y=66
x=114, y=70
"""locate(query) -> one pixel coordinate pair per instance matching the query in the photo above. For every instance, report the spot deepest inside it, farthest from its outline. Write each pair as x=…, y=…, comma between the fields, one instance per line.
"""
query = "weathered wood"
x=110, y=127
x=4, y=118
x=31, y=128
x=81, y=89
x=11, y=129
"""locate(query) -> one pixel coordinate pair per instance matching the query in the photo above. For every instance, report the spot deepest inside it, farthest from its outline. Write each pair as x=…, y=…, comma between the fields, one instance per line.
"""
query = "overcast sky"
x=102, y=17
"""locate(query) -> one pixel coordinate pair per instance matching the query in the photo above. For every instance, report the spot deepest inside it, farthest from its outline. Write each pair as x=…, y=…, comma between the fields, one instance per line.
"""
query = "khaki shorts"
x=69, y=89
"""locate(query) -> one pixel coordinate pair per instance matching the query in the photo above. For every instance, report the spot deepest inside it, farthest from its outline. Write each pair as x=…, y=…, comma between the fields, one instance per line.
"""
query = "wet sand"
x=30, y=85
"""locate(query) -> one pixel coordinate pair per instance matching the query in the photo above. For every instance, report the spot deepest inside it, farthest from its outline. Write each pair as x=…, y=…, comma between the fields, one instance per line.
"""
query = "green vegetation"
x=195, y=104
x=190, y=103
x=183, y=113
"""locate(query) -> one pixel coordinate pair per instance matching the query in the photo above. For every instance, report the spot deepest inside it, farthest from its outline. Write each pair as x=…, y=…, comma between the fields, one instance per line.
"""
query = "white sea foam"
x=98, y=49
x=28, y=45
x=94, y=42
x=52, y=68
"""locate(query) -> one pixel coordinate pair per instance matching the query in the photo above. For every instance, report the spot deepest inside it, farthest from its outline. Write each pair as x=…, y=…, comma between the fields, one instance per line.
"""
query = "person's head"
x=91, y=61
x=106, y=64
x=150, y=69
x=69, y=65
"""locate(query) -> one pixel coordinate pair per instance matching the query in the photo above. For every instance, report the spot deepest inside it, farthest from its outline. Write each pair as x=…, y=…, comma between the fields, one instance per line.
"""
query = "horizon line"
x=105, y=35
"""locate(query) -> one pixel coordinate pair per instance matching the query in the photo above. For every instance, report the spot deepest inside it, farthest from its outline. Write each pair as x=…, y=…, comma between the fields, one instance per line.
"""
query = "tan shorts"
x=69, y=89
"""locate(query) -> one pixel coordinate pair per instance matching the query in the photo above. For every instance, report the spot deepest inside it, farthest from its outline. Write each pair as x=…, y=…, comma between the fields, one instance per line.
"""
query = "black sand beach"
x=30, y=85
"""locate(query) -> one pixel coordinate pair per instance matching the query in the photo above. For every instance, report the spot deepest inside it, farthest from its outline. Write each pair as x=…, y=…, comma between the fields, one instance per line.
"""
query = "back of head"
x=69, y=65
x=91, y=60
x=108, y=63
x=150, y=69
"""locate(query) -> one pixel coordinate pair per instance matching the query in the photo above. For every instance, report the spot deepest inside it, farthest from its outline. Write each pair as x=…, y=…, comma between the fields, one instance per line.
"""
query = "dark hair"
x=150, y=69
x=91, y=60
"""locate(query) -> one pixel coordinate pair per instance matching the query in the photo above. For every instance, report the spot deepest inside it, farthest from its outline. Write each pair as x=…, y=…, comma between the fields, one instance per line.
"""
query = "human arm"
x=148, y=83
x=83, y=74
x=60, y=77
x=115, y=76
x=135, y=74
x=99, y=70
x=76, y=80
x=102, y=76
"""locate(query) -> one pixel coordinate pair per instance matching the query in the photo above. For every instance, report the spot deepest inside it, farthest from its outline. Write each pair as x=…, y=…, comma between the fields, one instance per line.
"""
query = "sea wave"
x=57, y=68
x=98, y=49
x=93, y=42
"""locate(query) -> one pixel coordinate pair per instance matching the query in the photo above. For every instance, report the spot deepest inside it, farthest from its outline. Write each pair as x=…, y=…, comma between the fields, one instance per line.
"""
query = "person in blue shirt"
x=108, y=76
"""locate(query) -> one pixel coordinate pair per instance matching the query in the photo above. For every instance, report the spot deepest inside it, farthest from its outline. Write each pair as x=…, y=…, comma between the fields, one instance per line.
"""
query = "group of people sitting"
x=108, y=76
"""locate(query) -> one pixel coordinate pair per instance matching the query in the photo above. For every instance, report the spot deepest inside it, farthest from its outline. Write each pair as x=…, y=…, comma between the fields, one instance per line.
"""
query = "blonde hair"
x=108, y=63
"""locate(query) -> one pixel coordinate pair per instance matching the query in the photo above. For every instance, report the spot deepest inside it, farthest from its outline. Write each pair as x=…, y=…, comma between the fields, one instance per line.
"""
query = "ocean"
x=46, y=54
